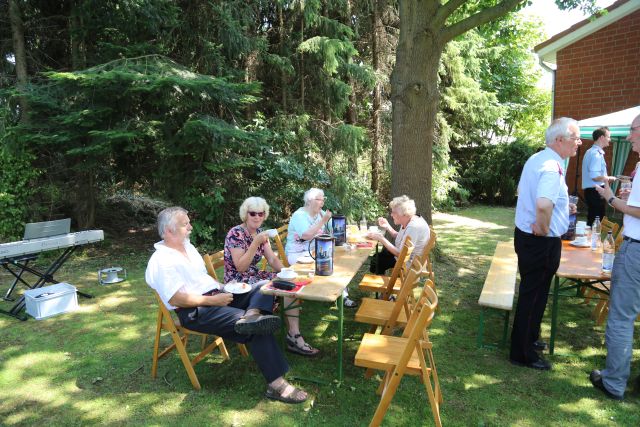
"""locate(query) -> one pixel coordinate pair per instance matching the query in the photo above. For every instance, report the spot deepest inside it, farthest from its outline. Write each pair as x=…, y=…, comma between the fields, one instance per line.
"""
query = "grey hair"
x=558, y=127
x=405, y=205
x=167, y=219
x=311, y=194
x=256, y=204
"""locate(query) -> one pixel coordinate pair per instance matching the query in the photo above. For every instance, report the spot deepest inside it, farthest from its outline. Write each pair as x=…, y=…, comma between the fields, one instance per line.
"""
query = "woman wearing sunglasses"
x=306, y=223
x=244, y=247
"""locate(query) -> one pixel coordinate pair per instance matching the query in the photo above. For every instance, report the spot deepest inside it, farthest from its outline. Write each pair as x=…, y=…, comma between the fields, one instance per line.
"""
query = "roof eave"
x=548, y=53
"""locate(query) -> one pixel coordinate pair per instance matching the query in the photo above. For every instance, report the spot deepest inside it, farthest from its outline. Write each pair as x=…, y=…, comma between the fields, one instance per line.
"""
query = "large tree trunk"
x=376, y=129
x=17, y=34
x=414, y=95
x=424, y=32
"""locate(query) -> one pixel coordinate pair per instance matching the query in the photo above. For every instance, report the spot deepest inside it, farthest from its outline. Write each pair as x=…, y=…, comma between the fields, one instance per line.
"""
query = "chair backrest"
x=280, y=240
x=399, y=269
x=619, y=237
x=213, y=262
x=425, y=257
x=606, y=225
x=403, y=298
x=422, y=313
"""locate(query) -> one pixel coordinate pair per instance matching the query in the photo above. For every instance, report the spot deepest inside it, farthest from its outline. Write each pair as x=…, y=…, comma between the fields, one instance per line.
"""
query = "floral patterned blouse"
x=239, y=237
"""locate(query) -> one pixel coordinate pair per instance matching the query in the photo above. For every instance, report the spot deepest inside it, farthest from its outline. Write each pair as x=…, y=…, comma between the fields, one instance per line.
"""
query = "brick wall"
x=598, y=75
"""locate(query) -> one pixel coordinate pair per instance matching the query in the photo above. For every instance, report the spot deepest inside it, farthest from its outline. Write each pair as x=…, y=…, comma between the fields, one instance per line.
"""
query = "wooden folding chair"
x=213, y=262
x=606, y=226
x=390, y=314
x=380, y=283
x=398, y=356
x=180, y=337
x=283, y=232
x=619, y=238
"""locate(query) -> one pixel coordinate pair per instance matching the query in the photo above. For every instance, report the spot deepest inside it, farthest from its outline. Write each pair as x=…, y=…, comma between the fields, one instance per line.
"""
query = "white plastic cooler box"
x=51, y=300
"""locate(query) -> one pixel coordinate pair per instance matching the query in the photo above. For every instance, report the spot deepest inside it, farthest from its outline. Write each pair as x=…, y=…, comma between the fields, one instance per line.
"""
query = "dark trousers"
x=595, y=205
x=538, y=261
x=382, y=261
x=221, y=320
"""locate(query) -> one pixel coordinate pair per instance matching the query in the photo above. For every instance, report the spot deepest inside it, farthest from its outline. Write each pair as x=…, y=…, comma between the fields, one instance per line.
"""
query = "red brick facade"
x=597, y=75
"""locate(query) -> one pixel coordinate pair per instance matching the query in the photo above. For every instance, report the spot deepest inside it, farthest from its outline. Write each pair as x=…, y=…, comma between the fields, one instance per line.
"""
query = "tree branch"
x=446, y=10
x=473, y=21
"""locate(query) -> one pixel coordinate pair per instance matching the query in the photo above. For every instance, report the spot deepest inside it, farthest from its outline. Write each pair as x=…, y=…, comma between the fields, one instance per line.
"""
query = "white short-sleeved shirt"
x=299, y=223
x=169, y=271
x=543, y=177
x=419, y=231
x=593, y=166
x=632, y=223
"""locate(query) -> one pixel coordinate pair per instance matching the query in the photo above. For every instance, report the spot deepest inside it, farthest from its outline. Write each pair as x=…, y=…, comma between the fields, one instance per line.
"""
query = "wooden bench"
x=499, y=287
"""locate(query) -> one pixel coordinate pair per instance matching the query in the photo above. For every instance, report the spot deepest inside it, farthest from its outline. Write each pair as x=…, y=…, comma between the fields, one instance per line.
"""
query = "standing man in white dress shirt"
x=542, y=216
x=594, y=174
x=624, y=301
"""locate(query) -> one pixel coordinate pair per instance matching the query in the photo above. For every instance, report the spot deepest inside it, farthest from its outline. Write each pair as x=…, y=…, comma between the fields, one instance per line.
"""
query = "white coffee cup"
x=374, y=229
x=287, y=274
x=272, y=232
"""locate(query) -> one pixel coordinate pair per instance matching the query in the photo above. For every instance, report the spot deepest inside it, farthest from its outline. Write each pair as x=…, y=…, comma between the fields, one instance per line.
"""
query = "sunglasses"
x=260, y=214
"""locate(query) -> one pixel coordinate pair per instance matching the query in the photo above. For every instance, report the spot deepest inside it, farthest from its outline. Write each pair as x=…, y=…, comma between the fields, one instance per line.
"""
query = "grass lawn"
x=93, y=366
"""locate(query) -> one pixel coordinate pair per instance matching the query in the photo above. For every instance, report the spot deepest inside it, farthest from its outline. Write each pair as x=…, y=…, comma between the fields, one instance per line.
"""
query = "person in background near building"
x=542, y=216
x=594, y=174
x=624, y=301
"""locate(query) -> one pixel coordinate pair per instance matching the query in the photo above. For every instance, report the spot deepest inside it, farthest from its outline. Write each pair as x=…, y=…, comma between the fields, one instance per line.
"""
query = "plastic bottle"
x=608, y=253
x=595, y=234
x=363, y=223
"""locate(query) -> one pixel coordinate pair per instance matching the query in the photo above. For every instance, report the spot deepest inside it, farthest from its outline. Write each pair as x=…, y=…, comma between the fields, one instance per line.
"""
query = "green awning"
x=618, y=123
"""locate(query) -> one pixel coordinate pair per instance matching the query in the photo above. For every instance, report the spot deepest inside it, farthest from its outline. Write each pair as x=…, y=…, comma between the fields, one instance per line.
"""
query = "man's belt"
x=630, y=239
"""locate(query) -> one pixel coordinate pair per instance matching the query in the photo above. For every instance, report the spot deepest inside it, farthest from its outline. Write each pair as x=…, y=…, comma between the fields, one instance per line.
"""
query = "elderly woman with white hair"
x=305, y=224
x=244, y=247
x=403, y=213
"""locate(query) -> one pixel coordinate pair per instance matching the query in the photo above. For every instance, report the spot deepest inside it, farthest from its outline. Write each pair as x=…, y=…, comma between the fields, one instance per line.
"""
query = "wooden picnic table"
x=328, y=288
x=579, y=267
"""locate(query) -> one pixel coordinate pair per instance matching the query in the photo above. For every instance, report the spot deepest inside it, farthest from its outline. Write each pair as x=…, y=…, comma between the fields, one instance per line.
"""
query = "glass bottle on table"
x=608, y=253
x=595, y=234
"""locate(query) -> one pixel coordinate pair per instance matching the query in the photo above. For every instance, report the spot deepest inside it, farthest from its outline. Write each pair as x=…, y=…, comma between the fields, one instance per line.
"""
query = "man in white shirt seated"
x=177, y=272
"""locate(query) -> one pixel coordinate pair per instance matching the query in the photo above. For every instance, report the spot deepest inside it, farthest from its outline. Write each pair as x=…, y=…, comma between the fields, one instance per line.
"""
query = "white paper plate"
x=305, y=260
x=580, y=245
x=237, y=288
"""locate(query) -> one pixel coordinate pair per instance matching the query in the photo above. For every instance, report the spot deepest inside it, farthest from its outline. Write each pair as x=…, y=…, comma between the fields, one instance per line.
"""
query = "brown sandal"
x=304, y=349
x=296, y=396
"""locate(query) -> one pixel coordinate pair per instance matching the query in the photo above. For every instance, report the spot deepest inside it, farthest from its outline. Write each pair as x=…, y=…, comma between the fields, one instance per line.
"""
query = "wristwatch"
x=611, y=199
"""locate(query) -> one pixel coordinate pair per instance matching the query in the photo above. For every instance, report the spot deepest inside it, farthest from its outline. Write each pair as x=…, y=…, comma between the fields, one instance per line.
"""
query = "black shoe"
x=539, y=364
x=596, y=380
x=540, y=345
x=257, y=324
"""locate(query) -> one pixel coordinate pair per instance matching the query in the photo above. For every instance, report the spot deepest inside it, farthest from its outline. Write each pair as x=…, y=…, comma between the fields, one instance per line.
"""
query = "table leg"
x=340, y=302
x=554, y=313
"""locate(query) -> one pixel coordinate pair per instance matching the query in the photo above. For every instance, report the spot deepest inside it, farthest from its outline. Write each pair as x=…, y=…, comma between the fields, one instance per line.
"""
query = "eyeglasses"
x=573, y=138
x=260, y=214
x=633, y=128
x=320, y=199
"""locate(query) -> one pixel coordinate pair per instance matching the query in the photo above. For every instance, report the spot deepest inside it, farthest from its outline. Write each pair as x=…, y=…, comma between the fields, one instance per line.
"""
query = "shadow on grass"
x=93, y=366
